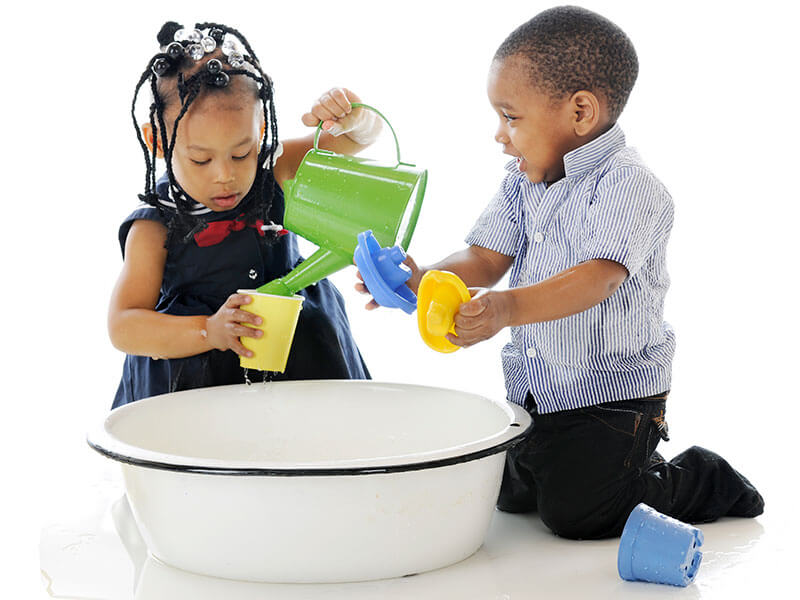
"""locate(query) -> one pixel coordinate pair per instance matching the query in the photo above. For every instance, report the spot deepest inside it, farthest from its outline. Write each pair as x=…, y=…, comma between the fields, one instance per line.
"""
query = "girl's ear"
x=150, y=139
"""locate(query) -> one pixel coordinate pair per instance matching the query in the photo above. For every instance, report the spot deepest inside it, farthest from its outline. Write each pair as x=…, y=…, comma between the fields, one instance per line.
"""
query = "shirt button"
x=538, y=237
x=530, y=352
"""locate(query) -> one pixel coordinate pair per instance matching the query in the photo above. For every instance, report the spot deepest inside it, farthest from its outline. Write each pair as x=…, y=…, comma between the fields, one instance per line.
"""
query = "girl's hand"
x=361, y=288
x=413, y=281
x=224, y=328
x=335, y=109
x=482, y=317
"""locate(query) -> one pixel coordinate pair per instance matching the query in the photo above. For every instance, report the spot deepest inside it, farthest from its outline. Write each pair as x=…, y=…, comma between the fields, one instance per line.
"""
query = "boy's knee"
x=583, y=523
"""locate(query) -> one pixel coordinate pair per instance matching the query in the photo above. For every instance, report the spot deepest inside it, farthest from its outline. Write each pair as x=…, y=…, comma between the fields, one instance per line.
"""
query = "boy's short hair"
x=570, y=49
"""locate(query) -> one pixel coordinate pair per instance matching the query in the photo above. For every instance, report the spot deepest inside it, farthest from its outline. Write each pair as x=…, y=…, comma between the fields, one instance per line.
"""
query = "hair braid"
x=149, y=165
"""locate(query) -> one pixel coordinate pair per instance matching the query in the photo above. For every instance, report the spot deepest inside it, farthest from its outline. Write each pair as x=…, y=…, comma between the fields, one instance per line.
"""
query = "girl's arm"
x=136, y=328
x=334, y=109
x=295, y=150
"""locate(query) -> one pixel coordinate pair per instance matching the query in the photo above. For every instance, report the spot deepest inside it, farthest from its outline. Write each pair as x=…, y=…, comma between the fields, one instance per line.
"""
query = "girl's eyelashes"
x=208, y=160
x=508, y=117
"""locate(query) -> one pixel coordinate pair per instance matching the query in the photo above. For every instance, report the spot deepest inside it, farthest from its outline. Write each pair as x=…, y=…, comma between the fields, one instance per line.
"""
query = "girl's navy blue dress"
x=198, y=280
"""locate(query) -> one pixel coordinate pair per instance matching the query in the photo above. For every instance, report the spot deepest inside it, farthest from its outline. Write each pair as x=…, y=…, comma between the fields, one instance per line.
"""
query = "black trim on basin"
x=323, y=472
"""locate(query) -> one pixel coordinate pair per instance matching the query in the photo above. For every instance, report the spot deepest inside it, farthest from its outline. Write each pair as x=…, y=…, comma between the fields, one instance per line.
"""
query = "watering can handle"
x=376, y=111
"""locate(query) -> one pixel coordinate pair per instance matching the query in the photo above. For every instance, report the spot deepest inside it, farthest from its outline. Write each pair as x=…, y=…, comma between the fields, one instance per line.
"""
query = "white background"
x=714, y=114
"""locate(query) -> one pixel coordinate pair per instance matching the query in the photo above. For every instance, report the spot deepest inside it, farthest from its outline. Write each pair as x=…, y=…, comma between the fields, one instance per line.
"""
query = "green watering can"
x=333, y=198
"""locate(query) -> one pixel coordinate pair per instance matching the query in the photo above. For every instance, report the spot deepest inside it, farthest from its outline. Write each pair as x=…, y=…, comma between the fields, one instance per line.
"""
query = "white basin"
x=312, y=481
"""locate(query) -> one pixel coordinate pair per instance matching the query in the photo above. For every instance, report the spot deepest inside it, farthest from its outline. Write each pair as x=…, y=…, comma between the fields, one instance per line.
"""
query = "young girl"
x=211, y=224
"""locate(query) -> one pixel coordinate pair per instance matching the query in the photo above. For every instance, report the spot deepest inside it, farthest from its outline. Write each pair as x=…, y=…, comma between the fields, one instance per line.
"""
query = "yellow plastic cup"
x=278, y=321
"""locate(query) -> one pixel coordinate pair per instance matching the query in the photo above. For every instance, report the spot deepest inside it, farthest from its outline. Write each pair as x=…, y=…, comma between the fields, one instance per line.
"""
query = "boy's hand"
x=412, y=283
x=335, y=109
x=482, y=317
x=224, y=328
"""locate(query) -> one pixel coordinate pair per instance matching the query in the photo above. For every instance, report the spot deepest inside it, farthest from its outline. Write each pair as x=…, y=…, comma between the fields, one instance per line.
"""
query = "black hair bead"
x=175, y=50
x=214, y=66
x=161, y=66
x=220, y=80
x=217, y=35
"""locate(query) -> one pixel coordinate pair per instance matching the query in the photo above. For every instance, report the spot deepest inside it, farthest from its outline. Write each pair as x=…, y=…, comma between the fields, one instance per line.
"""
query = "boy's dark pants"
x=585, y=470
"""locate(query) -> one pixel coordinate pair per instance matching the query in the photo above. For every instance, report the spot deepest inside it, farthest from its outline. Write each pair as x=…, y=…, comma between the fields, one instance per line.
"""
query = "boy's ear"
x=585, y=112
x=150, y=139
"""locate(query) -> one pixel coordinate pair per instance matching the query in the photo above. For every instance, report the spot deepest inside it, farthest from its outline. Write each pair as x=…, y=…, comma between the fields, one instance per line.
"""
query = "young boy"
x=583, y=225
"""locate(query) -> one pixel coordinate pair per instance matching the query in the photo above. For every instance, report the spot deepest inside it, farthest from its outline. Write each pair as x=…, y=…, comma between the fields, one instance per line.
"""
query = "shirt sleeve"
x=629, y=217
x=148, y=213
x=500, y=227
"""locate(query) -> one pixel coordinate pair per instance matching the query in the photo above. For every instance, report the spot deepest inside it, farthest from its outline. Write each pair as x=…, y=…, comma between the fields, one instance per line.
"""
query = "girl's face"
x=216, y=150
x=532, y=128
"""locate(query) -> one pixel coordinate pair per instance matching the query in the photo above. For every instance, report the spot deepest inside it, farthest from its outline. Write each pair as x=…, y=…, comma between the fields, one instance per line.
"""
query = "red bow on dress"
x=219, y=230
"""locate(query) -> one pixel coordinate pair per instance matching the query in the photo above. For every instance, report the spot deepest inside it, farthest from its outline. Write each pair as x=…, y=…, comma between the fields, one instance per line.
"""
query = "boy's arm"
x=567, y=293
x=476, y=266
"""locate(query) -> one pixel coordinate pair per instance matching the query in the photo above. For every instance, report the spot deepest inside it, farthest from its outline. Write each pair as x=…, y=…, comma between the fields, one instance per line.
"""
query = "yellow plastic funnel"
x=439, y=295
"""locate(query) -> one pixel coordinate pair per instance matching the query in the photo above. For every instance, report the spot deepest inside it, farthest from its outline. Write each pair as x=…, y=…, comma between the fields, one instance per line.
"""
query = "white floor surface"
x=91, y=549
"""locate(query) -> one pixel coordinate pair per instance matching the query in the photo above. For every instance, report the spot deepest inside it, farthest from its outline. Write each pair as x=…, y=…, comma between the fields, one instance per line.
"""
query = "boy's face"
x=216, y=150
x=533, y=127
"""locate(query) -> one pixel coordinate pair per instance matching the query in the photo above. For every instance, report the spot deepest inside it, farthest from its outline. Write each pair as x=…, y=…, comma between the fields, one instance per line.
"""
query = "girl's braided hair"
x=191, y=68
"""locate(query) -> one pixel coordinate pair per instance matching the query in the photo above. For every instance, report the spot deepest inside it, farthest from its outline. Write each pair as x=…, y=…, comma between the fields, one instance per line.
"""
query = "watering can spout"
x=276, y=287
x=315, y=268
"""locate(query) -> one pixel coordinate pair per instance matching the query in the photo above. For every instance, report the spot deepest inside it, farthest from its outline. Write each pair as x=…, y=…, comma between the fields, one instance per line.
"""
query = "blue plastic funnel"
x=384, y=273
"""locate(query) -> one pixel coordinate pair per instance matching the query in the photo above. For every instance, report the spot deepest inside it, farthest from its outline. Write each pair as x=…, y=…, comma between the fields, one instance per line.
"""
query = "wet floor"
x=92, y=550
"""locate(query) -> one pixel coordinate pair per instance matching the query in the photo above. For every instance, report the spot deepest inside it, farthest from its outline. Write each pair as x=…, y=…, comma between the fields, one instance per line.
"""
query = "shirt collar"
x=591, y=154
x=164, y=191
x=588, y=156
